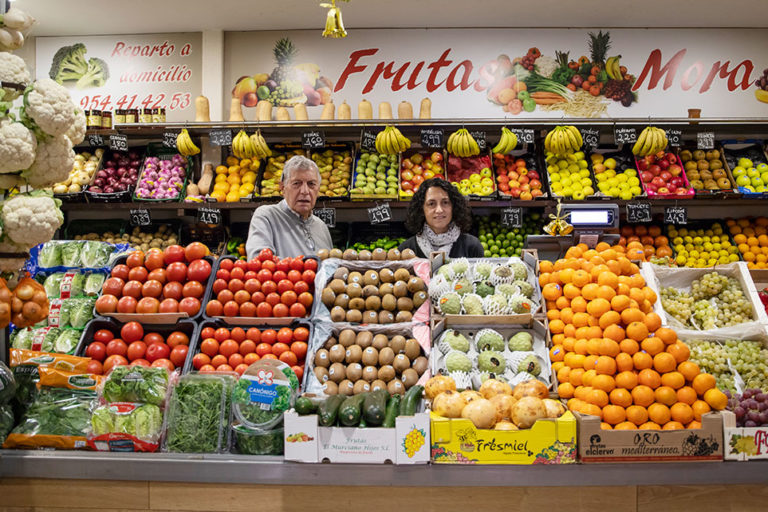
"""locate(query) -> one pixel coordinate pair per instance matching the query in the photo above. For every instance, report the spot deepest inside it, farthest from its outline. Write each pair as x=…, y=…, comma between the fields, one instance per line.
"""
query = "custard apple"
x=521, y=305
x=499, y=302
x=491, y=361
x=519, y=270
x=525, y=287
x=530, y=365
x=484, y=376
x=473, y=304
x=446, y=271
x=456, y=361
x=503, y=272
x=483, y=270
x=459, y=267
x=521, y=342
x=507, y=289
x=484, y=288
x=490, y=340
x=450, y=304
x=456, y=341
x=462, y=286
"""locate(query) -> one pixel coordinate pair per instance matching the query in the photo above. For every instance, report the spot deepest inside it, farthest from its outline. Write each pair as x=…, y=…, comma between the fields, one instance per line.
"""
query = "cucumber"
x=362, y=424
x=393, y=409
x=304, y=406
x=411, y=401
x=375, y=406
x=329, y=409
x=350, y=410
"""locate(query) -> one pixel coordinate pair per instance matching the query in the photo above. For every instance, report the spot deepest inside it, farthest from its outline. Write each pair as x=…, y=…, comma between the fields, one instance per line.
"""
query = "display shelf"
x=272, y=470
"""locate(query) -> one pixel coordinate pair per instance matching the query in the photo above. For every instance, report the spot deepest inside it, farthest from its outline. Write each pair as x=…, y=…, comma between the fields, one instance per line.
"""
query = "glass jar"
x=119, y=116
x=93, y=119
x=106, y=120
x=132, y=115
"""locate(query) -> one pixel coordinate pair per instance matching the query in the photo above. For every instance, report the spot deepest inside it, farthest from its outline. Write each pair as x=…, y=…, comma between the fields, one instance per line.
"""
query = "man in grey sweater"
x=289, y=228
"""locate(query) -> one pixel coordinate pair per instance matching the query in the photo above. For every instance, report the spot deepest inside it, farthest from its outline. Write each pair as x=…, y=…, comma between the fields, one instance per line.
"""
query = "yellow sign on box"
x=549, y=441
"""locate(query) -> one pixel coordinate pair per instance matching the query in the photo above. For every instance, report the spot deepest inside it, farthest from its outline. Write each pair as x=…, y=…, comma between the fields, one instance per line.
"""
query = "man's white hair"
x=299, y=163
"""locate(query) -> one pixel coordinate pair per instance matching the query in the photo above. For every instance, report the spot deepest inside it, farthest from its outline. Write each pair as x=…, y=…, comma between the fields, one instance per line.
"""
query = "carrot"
x=548, y=101
x=546, y=95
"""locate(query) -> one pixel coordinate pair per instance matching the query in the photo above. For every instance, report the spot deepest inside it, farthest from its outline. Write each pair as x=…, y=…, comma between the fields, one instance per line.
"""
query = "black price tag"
x=705, y=140
x=221, y=137
x=140, y=217
x=512, y=217
x=313, y=140
x=591, y=137
x=118, y=142
x=368, y=140
x=95, y=139
x=433, y=138
x=675, y=215
x=524, y=135
x=327, y=215
x=169, y=139
x=380, y=213
x=624, y=135
x=638, y=212
x=480, y=139
x=209, y=216
x=675, y=137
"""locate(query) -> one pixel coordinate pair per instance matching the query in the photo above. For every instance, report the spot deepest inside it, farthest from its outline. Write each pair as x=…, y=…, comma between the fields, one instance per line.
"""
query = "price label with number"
x=95, y=139
x=675, y=137
x=368, y=140
x=327, y=215
x=209, y=215
x=524, y=135
x=512, y=217
x=705, y=140
x=433, y=138
x=140, y=217
x=380, y=213
x=221, y=137
x=313, y=140
x=638, y=212
x=591, y=137
x=625, y=135
x=480, y=139
x=118, y=142
x=675, y=215
x=169, y=139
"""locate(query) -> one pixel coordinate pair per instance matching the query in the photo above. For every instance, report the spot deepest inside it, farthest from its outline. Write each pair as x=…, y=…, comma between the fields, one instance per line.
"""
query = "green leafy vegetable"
x=95, y=254
x=258, y=442
x=58, y=412
x=70, y=254
x=69, y=63
x=52, y=285
x=50, y=255
x=136, y=384
x=66, y=341
x=93, y=283
x=22, y=338
x=80, y=311
x=144, y=422
x=7, y=384
x=6, y=421
x=49, y=339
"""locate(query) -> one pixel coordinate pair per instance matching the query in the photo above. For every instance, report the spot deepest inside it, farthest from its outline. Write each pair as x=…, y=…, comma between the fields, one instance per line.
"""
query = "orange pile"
x=751, y=237
x=647, y=239
x=612, y=357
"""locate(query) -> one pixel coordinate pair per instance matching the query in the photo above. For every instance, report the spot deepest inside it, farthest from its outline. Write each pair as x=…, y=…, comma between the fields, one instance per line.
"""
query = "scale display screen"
x=589, y=217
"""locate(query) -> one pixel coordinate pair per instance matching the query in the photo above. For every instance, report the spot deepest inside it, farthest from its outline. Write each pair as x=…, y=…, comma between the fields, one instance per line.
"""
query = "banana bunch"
x=391, y=142
x=242, y=147
x=462, y=144
x=563, y=139
x=507, y=143
x=184, y=144
x=613, y=69
x=651, y=141
x=260, y=145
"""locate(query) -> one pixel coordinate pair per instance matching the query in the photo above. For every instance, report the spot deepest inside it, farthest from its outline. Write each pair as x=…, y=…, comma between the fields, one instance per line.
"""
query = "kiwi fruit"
x=335, y=253
x=354, y=371
x=337, y=372
x=361, y=386
x=364, y=255
x=338, y=314
x=379, y=254
x=370, y=373
x=353, y=355
x=380, y=341
x=347, y=338
x=322, y=359
x=349, y=254
x=370, y=356
x=364, y=339
x=353, y=316
x=371, y=277
x=370, y=291
x=337, y=353
x=387, y=373
x=378, y=384
x=412, y=349
x=386, y=356
x=386, y=275
x=373, y=303
x=397, y=343
x=407, y=254
x=403, y=316
x=404, y=304
x=341, y=273
x=420, y=365
x=393, y=254
x=419, y=298
x=386, y=317
x=409, y=377
x=400, y=363
x=354, y=290
x=328, y=297
x=357, y=303
x=400, y=289
x=321, y=374
x=329, y=343
x=346, y=387
x=386, y=289
x=342, y=300
x=402, y=274
x=370, y=317
x=330, y=388
x=389, y=302
x=355, y=277
x=396, y=387
x=323, y=254
x=337, y=286
x=416, y=284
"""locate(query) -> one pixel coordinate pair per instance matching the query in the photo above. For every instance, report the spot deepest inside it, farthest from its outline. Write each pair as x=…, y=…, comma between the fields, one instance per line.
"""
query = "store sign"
x=147, y=71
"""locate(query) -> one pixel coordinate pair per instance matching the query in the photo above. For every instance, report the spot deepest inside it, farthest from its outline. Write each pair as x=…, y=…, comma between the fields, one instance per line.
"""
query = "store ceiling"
x=75, y=17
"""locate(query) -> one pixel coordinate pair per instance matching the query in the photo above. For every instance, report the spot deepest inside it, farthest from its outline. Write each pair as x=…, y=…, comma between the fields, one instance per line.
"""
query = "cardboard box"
x=549, y=441
x=305, y=441
x=597, y=445
x=743, y=443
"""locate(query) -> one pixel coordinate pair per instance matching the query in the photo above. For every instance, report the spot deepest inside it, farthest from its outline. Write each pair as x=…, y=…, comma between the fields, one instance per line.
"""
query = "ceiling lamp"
x=334, y=27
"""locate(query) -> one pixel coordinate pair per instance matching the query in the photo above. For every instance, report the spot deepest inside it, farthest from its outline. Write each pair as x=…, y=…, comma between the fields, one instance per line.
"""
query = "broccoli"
x=69, y=63
x=96, y=76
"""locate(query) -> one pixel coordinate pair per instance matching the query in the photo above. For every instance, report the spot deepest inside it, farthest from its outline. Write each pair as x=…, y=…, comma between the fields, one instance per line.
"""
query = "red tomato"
x=207, y=332
x=248, y=309
x=177, y=271
x=138, y=274
x=299, y=371
x=301, y=334
x=249, y=275
x=258, y=297
x=297, y=310
x=223, y=274
x=269, y=356
x=168, y=306
x=284, y=286
x=132, y=331
x=231, y=308
x=163, y=363
x=103, y=335
x=265, y=255
x=306, y=299
x=106, y=304
x=179, y=355
x=112, y=361
x=278, y=348
x=135, y=259
x=254, y=265
x=192, y=289
x=190, y=306
x=157, y=351
x=114, y=286
x=253, y=334
x=269, y=336
x=263, y=348
x=284, y=264
x=299, y=348
x=132, y=289
x=200, y=360
x=269, y=265
x=224, y=368
x=226, y=263
x=136, y=350
x=95, y=367
x=280, y=311
x=242, y=296
x=140, y=362
x=152, y=288
x=225, y=296
x=235, y=285
x=310, y=264
x=177, y=338
x=222, y=334
x=294, y=276
x=237, y=273
x=237, y=334
x=297, y=264
x=214, y=308
x=96, y=350
x=154, y=260
x=228, y=347
x=195, y=251
x=153, y=337
x=264, y=275
x=218, y=360
x=207, y=368
x=273, y=299
x=241, y=264
x=240, y=369
x=120, y=271
x=148, y=305
x=279, y=275
x=173, y=254
x=308, y=276
x=126, y=305
x=209, y=347
x=268, y=287
x=199, y=270
x=247, y=346
x=252, y=286
x=288, y=298
x=301, y=287
x=288, y=358
x=285, y=335
x=264, y=309
x=158, y=275
x=251, y=358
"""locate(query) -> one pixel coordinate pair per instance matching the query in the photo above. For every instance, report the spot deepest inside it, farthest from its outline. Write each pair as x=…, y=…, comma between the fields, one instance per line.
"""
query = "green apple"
x=752, y=172
x=762, y=167
x=742, y=181
x=744, y=162
x=739, y=171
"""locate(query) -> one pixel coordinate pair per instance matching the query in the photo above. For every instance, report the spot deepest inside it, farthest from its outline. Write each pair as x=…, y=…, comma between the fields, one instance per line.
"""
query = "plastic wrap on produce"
x=123, y=426
x=63, y=255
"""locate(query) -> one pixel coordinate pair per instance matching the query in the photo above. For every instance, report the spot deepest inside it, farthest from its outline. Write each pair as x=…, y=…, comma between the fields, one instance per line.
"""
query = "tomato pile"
x=135, y=347
x=235, y=349
x=169, y=281
x=265, y=286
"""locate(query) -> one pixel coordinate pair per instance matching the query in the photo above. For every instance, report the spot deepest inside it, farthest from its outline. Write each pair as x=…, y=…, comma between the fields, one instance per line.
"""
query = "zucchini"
x=411, y=401
x=393, y=410
x=375, y=406
x=362, y=424
x=304, y=406
x=329, y=409
x=350, y=410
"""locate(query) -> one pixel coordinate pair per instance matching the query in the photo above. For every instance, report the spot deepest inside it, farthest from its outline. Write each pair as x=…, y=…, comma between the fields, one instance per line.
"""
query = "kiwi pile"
x=705, y=170
x=375, y=297
x=352, y=363
x=377, y=254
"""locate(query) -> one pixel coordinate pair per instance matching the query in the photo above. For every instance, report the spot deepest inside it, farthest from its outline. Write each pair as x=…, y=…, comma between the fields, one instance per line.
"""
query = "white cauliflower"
x=31, y=219
x=76, y=132
x=17, y=147
x=52, y=164
x=13, y=69
x=49, y=108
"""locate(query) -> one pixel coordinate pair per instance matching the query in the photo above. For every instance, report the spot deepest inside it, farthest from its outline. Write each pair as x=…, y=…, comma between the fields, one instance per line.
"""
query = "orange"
x=659, y=413
x=604, y=383
x=553, y=314
x=700, y=407
x=614, y=332
x=679, y=351
x=626, y=380
x=556, y=326
x=563, y=373
x=557, y=365
x=636, y=331
x=689, y=369
x=637, y=415
x=606, y=292
x=602, y=246
x=666, y=335
x=623, y=289
x=649, y=425
x=599, y=398
x=565, y=390
x=605, y=426
x=550, y=304
x=636, y=294
x=544, y=279
x=642, y=360
x=642, y=395
x=574, y=404
x=675, y=380
x=664, y=362
x=673, y=425
x=637, y=281
x=606, y=365
x=650, y=295
x=545, y=266
x=570, y=360
x=614, y=414
x=578, y=361
x=620, y=302
x=566, y=275
x=581, y=392
x=591, y=409
x=588, y=377
x=575, y=376
x=687, y=395
x=681, y=413
x=649, y=377
x=608, y=278
x=665, y=395
x=703, y=382
x=624, y=362
x=631, y=315
x=620, y=397
x=594, y=331
x=608, y=319
x=715, y=398
x=581, y=278
x=608, y=347
x=652, y=345
x=562, y=302
x=573, y=252
x=625, y=425
x=694, y=424
x=629, y=346
x=652, y=321
x=566, y=315
x=570, y=291
x=598, y=307
x=556, y=353
x=551, y=291
x=579, y=304
x=580, y=319
x=593, y=346
x=589, y=291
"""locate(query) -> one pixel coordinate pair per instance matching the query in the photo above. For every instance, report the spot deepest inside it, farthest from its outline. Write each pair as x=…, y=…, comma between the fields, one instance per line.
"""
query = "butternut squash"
x=364, y=110
x=264, y=111
x=425, y=112
x=202, y=110
x=385, y=110
x=235, y=110
x=282, y=114
x=328, y=111
x=206, y=179
x=345, y=112
x=405, y=110
x=300, y=112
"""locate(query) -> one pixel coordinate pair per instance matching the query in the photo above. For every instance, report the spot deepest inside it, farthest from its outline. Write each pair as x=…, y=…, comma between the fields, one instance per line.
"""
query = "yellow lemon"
x=218, y=195
x=233, y=197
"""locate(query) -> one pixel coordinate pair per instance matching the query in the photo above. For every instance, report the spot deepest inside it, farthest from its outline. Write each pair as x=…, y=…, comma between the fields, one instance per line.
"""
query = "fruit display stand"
x=468, y=173
x=509, y=170
x=600, y=162
x=735, y=154
x=671, y=186
x=367, y=167
x=718, y=181
x=743, y=443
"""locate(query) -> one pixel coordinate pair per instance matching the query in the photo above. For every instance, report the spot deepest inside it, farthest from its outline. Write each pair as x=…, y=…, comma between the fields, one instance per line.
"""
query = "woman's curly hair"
x=462, y=215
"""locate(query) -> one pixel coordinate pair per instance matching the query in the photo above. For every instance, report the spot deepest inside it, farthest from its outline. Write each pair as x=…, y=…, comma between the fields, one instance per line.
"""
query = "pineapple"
x=598, y=47
x=284, y=52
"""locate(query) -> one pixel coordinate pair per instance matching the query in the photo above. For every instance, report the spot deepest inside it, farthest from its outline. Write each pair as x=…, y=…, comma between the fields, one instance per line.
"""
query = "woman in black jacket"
x=440, y=218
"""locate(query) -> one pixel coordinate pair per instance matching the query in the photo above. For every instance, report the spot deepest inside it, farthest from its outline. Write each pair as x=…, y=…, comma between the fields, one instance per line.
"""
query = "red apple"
x=671, y=158
x=407, y=163
x=406, y=185
x=666, y=176
x=646, y=176
x=406, y=175
x=658, y=181
x=417, y=169
x=675, y=170
x=654, y=169
x=664, y=164
x=681, y=191
x=650, y=187
x=642, y=165
x=662, y=190
x=436, y=157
